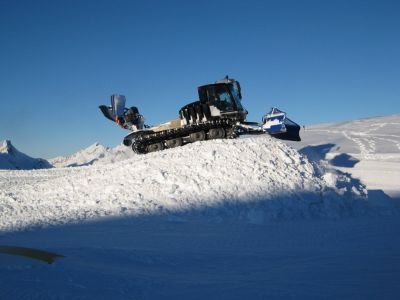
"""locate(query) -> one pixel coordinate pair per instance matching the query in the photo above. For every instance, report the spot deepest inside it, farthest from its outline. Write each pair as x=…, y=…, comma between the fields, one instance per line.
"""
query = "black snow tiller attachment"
x=217, y=114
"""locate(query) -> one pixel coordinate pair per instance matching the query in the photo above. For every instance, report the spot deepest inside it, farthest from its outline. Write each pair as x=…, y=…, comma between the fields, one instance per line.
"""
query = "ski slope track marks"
x=371, y=145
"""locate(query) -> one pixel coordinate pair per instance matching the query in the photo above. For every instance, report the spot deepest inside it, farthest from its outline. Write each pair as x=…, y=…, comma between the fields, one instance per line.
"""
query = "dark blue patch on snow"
x=344, y=160
x=318, y=152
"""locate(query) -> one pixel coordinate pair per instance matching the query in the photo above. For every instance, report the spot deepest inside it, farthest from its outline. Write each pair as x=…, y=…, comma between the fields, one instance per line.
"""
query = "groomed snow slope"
x=265, y=178
x=368, y=149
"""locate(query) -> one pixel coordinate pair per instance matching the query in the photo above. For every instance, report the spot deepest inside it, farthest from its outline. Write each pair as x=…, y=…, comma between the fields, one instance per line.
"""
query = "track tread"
x=141, y=140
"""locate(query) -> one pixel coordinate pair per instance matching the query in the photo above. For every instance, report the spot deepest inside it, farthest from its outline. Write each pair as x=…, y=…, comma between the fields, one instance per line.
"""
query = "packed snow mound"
x=252, y=179
x=95, y=154
x=12, y=159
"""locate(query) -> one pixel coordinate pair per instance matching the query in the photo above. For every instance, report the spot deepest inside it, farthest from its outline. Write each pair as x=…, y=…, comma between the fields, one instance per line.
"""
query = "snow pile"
x=93, y=155
x=253, y=179
x=12, y=159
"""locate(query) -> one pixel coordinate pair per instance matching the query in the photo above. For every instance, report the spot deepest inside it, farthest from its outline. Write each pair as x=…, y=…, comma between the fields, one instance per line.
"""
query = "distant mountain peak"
x=7, y=147
x=11, y=158
x=95, y=146
x=93, y=154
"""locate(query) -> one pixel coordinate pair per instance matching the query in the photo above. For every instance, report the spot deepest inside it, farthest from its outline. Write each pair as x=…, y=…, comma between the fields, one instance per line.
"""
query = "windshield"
x=225, y=102
x=235, y=93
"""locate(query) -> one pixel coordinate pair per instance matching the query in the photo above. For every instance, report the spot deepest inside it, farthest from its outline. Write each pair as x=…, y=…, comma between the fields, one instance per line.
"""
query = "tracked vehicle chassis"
x=143, y=142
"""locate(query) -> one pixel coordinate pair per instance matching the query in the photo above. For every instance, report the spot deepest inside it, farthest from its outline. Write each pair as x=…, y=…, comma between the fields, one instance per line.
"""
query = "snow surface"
x=249, y=218
x=367, y=149
x=273, y=180
x=12, y=159
x=158, y=257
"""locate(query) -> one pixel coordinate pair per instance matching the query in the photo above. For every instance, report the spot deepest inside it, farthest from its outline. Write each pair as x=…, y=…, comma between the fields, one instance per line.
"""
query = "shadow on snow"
x=319, y=152
x=229, y=251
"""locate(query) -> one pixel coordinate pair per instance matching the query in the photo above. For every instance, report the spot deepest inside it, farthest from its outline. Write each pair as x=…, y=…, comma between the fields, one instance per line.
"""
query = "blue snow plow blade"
x=276, y=129
x=279, y=126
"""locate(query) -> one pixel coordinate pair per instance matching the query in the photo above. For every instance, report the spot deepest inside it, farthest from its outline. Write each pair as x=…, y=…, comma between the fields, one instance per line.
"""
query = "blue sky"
x=321, y=61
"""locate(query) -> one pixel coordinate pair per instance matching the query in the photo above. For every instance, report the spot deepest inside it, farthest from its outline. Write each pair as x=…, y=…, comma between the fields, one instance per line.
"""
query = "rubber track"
x=141, y=141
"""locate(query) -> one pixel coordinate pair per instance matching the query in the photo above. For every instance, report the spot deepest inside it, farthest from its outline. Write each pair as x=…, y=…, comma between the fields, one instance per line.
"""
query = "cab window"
x=225, y=102
x=235, y=93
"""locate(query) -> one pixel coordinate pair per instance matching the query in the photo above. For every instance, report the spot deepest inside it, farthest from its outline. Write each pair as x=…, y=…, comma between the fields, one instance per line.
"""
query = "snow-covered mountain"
x=12, y=159
x=95, y=154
